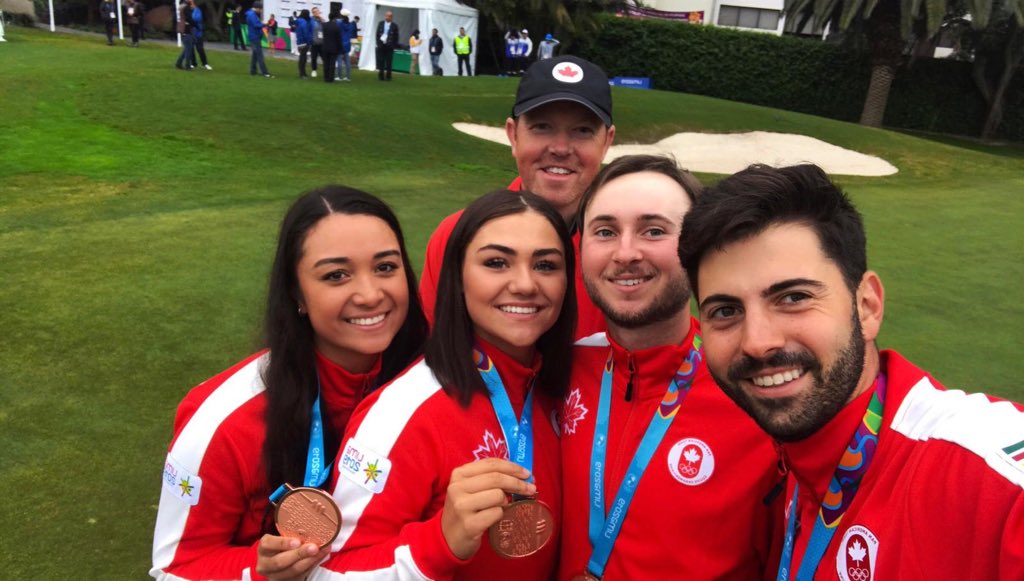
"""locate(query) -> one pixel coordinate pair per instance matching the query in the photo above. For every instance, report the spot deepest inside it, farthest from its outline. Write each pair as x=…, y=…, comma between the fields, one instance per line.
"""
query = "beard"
x=668, y=303
x=791, y=419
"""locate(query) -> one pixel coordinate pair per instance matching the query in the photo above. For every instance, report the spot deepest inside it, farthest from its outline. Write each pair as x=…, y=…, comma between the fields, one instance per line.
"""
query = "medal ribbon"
x=316, y=471
x=605, y=530
x=518, y=433
x=841, y=491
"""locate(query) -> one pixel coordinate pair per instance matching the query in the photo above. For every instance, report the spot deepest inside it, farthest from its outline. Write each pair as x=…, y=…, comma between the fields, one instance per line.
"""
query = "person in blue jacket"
x=255, y=24
x=303, y=39
x=348, y=32
x=197, y=36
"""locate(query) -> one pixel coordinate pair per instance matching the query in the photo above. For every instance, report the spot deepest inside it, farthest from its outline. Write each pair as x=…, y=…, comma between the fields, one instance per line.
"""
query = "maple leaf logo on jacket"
x=491, y=448
x=856, y=560
x=691, y=462
x=573, y=411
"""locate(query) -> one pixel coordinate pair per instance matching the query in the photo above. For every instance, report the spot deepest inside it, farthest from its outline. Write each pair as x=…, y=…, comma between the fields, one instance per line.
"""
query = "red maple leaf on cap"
x=568, y=72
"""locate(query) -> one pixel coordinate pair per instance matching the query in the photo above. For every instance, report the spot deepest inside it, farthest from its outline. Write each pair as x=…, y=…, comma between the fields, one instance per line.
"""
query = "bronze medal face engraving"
x=308, y=514
x=525, y=527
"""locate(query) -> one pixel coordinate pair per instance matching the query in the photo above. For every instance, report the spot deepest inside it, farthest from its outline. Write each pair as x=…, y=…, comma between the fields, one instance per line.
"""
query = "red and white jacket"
x=392, y=473
x=699, y=511
x=213, y=505
x=943, y=497
x=589, y=319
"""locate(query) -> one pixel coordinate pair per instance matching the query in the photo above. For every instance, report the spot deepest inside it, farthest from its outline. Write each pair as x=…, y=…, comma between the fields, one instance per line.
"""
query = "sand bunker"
x=727, y=153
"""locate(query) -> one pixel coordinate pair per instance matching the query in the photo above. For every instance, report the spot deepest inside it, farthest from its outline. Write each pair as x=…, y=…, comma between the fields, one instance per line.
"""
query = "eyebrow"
x=512, y=252
x=771, y=290
x=643, y=218
x=346, y=260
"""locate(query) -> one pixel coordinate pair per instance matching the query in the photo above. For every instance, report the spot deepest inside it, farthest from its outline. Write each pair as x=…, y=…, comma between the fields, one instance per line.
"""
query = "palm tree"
x=889, y=26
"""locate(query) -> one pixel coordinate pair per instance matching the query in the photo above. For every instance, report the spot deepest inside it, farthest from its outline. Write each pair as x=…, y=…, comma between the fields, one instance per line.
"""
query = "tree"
x=998, y=52
x=889, y=26
x=566, y=20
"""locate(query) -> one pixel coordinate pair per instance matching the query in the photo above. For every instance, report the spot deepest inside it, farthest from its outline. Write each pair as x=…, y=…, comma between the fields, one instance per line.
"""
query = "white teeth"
x=777, y=379
x=367, y=321
x=557, y=170
x=629, y=282
x=519, y=310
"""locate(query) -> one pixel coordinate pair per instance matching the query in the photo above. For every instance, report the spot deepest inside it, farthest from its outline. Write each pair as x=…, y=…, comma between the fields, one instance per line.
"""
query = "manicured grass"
x=139, y=205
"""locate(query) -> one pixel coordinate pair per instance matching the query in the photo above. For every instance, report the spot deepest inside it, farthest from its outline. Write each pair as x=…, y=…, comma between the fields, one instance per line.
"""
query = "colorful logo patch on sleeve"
x=364, y=467
x=1015, y=455
x=181, y=483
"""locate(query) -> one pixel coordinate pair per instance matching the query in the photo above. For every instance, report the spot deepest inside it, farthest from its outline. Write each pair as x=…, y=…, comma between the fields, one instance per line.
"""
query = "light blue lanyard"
x=316, y=471
x=518, y=434
x=843, y=487
x=604, y=530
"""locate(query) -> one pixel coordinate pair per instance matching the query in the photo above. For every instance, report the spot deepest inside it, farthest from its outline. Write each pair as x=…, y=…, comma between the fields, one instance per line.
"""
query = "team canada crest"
x=567, y=72
x=691, y=461
x=573, y=411
x=858, y=555
x=491, y=448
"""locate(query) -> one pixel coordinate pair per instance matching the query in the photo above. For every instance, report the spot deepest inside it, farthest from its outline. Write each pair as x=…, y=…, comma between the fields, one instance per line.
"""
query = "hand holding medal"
x=477, y=499
x=303, y=515
x=281, y=558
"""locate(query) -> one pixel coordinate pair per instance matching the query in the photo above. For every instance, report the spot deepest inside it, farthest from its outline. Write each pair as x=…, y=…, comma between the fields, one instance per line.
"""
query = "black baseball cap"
x=566, y=78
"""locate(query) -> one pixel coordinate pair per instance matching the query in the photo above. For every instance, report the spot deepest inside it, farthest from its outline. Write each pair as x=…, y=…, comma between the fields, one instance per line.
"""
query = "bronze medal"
x=525, y=527
x=586, y=576
x=308, y=514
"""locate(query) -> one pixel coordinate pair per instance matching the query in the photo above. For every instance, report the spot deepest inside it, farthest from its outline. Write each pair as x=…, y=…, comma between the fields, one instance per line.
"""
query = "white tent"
x=444, y=15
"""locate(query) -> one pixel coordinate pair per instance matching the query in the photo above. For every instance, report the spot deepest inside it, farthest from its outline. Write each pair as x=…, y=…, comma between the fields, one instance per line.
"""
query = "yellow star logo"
x=186, y=488
x=372, y=472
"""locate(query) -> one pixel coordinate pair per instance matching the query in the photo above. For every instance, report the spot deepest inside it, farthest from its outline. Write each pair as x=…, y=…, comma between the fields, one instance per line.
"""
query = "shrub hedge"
x=792, y=73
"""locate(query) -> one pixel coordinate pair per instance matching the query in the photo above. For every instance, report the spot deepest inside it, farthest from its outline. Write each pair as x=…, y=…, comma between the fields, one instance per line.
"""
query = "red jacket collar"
x=341, y=390
x=516, y=377
x=652, y=368
x=813, y=460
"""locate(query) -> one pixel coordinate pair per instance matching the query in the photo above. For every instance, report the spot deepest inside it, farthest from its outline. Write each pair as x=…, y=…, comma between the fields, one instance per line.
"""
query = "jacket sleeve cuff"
x=431, y=552
x=252, y=559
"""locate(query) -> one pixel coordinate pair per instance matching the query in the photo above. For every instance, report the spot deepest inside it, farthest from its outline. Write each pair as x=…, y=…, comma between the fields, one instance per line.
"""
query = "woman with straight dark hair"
x=429, y=463
x=342, y=318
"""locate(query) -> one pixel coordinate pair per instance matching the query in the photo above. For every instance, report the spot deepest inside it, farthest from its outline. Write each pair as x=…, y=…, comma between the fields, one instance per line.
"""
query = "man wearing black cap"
x=560, y=130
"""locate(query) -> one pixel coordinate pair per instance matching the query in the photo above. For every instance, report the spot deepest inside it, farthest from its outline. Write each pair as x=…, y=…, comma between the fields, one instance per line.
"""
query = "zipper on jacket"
x=631, y=365
x=783, y=469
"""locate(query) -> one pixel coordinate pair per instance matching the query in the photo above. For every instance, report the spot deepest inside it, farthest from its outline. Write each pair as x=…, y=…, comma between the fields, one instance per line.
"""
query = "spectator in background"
x=272, y=35
x=332, y=45
x=256, y=32
x=348, y=32
x=387, y=40
x=291, y=32
x=133, y=16
x=436, y=46
x=355, y=21
x=303, y=38
x=463, y=46
x=186, y=60
x=546, y=49
x=511, y=52
x=526, y=51
x=317, y=48
x=235, y=19
x=197, y=33
x=108, y=12
x=414, y=50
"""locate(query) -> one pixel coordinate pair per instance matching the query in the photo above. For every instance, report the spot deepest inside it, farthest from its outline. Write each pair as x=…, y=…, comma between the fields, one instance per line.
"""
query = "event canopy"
x=444, y=15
